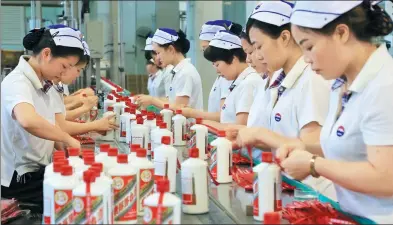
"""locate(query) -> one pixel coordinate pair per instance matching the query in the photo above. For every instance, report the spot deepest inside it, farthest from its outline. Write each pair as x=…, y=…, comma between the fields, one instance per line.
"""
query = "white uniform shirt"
x=241, y=97
x=57, y=101
x=167, y=76
x=367, y=119
x=219, y=91
x=66, y=90
x=186, y=81
x=150, y=85
x=20, y=150
x=304, y=100
x=158, y=84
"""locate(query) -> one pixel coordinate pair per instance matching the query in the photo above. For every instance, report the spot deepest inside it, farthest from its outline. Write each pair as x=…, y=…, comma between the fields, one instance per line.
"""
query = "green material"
x=152, y=108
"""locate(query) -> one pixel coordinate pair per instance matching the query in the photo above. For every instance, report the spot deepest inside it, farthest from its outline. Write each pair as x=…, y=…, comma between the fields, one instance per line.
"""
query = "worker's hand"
x=144, y=100
x=247, y=137
x=187, y=112
x=72, y=142
x=284, y=150
x=106, y=124
x=231, y=132
x=89, y=102
x=297, y=165
x=86, y=91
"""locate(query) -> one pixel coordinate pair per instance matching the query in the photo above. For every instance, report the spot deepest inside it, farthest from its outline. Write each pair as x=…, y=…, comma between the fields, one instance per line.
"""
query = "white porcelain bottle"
x=167, y=116
x=162, y=207
x=179, y=129
x=145, y=178
x=106, y=184
x=109, y=101
x=165, y=162
x=198, y=139
x=129, y=125
x=266, y=187
x=125, y=118
x=194, y=184
x=103, y=154
x=158, y=134
x=140, y=133
x=110, y=135
x=150, y=123
x=221, y=159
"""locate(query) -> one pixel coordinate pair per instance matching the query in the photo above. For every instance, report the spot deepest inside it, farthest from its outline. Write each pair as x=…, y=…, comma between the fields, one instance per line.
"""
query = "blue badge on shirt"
x=340, y=131
x=170, y=89
x=215, y=88
x=223, y=107
x=277, y=117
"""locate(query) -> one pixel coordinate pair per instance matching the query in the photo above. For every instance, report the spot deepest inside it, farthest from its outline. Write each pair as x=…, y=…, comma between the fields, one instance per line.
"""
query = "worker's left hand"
x=297, y=165
x=247, y=136
x=144, y=100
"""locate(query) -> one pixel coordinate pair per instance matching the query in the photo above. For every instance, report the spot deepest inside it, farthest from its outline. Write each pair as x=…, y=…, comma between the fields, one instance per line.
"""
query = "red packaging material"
x=10, y=210
x=314, y=212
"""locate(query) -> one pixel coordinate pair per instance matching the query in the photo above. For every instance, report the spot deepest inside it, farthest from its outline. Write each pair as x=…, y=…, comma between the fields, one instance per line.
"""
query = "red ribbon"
x=159, y=207
x=88, y=202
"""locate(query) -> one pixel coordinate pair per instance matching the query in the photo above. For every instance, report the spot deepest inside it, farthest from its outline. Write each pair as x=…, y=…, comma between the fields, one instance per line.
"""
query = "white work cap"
x=316, y=14
x=67, y=37
x=273, y=12
x=148, y=46
x=164, y=36
x=210, y=28
x=225, y=40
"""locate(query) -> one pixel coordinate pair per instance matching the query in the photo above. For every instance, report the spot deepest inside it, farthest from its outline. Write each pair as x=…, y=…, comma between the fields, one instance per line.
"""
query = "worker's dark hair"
x=271, y=30
x=149, y=62
x=148, y=54
x=84, y=59
x=236, y=28
x=38, y=39
x=244, y=35
x=365, y=21
x=182, y=44
x=214, y=54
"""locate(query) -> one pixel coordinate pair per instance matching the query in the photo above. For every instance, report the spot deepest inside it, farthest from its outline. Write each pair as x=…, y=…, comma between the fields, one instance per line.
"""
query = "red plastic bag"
x=243, y=176
x=10, y=210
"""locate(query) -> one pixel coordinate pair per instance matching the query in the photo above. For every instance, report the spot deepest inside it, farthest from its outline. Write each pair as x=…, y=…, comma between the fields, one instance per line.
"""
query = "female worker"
x=157, y=77
x=28, y=130
x=226, y=53
x=185, y=86
x=57, y=103
x=357, y=137
x=220, y=88
x=297, y=99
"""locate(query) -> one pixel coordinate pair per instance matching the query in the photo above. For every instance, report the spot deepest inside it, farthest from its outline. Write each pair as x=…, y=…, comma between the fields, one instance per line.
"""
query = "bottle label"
x=255, y=195
x=93, y=114
x=123, y=131
x=124, y=189
x=278, y=190
x=97, y=212
x=193, y=139
x=160, y=169
x=146, y=186
x=188, y=190
x=213, y=161
x=63, y=206
x=151, y=213
x=138, y=140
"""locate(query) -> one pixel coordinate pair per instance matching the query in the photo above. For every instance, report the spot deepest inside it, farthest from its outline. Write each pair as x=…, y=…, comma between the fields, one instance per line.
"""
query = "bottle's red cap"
x=118, y=100
x=57, y=166
x=59, y=153
x=104, y=147
x=88, y=159
x=179, y=111
x=110, y=97
x=66, y=170
x=199, y=120
x=159, y=117
x=113, y=92
x=166, y=106
x=88, y=176
x=166, y=140
x=150, y=116
x=113, y=152
x=139, y=120
x=163, y=125
x=110, y=108
x=271, y=218
x=194, y=153
x=122, y=158
x=119, y=89
x=141, y=153
x=132, y=110
x=267, y=157
x=135, y=147
x=73, y=151
x=162, y=185
x=127, y=110
x=158, y=123
x=87, y=151
x=144, y=112
x=99, y=166
x=221, y=133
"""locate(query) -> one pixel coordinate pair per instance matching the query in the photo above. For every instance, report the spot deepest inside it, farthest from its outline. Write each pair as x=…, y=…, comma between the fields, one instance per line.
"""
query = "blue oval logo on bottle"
x=340, y=131
x=277, y=117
